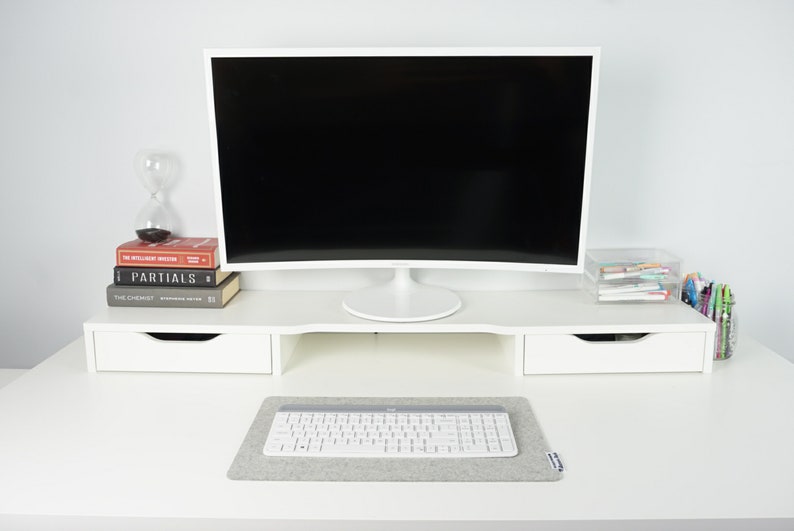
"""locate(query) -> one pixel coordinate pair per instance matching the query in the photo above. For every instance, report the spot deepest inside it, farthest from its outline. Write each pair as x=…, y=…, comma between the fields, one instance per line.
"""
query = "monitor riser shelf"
x=544, y=332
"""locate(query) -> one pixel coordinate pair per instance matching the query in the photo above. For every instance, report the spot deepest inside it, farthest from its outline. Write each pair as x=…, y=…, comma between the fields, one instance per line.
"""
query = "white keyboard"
x=390, y=431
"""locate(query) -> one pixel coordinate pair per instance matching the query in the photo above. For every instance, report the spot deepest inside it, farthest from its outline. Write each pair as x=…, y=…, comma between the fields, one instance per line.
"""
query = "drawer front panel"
x=138, y=351
x=568, y=354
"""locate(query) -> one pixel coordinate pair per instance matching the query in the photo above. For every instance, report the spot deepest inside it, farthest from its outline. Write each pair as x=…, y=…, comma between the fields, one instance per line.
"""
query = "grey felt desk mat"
x=531, y=463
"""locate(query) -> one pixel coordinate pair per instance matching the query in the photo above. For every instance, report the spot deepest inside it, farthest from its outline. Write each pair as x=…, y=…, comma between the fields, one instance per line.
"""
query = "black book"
x=165, y=276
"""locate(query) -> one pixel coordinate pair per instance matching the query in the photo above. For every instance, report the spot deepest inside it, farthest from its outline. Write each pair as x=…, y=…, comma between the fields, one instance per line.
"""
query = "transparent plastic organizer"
x=632, y=276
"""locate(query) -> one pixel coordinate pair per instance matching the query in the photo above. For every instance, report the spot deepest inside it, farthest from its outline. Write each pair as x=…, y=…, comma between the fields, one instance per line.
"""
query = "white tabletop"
x=127, y=450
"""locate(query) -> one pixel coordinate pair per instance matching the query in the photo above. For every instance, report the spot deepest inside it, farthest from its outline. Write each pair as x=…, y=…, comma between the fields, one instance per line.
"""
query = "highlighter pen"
x=693, y=294
x=717, y=316
x=710, y=312
x=726, y=316
x=706, y=298
x=700, y=283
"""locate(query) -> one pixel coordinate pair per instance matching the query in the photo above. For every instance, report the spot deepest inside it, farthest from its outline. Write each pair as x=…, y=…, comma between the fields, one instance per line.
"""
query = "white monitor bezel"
x=591, y=51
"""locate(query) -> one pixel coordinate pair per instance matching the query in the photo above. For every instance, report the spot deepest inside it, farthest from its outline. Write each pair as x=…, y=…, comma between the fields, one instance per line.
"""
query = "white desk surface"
x=82, y=450
x=9, y=375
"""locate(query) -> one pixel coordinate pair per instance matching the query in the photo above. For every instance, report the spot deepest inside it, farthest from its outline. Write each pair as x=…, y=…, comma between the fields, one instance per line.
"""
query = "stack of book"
x=175, y=273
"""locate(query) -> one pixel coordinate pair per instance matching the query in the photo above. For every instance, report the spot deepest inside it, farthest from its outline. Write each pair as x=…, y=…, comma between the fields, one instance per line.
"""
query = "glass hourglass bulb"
x=153, y=224
x=154, y=169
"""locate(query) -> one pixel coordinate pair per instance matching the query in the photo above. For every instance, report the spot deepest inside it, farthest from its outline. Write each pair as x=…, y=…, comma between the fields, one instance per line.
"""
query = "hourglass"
x=154, y=169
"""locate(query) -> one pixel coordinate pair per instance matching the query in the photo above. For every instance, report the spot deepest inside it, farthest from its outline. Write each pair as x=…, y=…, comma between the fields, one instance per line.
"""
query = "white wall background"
x=694, y=139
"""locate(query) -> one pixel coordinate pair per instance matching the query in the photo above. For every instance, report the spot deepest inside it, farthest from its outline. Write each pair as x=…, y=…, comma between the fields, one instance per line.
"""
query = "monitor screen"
x=437, y=158
x=404, y=158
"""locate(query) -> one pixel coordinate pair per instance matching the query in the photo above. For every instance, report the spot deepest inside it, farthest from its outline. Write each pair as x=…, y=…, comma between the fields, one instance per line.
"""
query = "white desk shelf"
x=258, y=331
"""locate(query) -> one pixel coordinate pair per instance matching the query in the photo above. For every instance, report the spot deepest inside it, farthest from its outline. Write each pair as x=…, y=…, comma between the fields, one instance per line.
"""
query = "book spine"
x=165, y=258
x=171, y=297
x=157, y=276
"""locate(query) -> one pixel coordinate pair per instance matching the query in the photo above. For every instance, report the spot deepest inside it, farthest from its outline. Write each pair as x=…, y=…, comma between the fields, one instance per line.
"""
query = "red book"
x=199, y=253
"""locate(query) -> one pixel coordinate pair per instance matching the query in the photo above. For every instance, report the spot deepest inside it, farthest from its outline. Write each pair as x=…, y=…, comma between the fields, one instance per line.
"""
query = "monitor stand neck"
x=402, y=300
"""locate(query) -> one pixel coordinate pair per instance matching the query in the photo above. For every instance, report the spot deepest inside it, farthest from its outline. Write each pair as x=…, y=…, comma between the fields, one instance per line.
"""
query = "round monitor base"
x=402, y=300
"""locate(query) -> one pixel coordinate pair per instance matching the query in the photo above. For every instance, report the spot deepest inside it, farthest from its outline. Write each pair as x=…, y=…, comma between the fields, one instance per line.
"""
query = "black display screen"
x=472, y=158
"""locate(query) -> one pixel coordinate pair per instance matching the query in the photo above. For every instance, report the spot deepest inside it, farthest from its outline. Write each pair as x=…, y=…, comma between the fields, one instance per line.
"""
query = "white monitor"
x=476, y=158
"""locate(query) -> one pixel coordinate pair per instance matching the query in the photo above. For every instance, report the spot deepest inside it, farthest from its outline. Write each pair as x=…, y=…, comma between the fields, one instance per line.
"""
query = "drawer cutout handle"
x=181, y=336
x=611, y=338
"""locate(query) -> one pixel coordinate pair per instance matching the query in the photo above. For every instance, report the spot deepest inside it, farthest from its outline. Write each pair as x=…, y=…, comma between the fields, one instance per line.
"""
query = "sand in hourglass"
x=153, y=235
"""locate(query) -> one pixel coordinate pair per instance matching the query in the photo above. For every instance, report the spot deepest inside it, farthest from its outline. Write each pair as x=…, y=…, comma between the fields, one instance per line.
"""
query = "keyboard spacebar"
x=355, y=449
